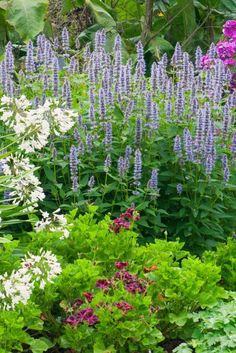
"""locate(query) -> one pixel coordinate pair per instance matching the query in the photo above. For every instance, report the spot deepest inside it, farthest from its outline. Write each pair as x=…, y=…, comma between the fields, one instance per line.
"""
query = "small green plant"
x=225, y=257
x=215, y=330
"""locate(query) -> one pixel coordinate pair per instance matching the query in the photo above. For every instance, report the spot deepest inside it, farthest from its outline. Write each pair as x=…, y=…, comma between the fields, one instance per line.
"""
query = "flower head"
x=229, y=29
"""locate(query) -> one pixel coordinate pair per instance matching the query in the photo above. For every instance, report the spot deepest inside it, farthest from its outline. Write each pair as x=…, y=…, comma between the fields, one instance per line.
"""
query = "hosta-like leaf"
x=101, y=13
x=27, y=16
x=182, y=20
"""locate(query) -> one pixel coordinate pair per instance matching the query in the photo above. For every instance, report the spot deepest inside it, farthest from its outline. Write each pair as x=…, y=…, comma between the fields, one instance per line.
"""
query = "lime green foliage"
x=215, y=330
x=225, y=256
x=13, y=330
x=175, y=283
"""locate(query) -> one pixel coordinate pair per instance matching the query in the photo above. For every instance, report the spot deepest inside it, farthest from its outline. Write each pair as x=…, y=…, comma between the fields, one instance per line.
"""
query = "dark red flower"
x=134, y=287
x=77, y=303
x=131, y=213
x=121, y=264
x=103, y=283
x=88, y=296
x=124, y=306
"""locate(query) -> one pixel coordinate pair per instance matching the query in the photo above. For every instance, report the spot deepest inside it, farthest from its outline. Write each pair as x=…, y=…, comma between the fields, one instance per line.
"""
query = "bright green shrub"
x=215, y=330
x=225, y=257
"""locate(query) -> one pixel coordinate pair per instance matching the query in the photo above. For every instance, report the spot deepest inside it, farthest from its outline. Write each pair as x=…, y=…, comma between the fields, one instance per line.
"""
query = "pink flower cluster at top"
x=229, y=29
x=225, y=50
x=124, y=220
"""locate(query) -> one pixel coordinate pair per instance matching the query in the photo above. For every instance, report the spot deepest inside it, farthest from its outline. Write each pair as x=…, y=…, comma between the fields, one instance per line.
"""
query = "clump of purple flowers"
x=83, y=316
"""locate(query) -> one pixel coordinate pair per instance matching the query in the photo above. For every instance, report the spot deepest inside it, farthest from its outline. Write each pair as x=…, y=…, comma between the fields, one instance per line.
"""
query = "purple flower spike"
x=65, y=39
x=138, y=131
x=29, y=61
x=177, y=146
x=55, y=80
x=153, y=181
x=137, y=167
x=179, y=189
x=74, y=167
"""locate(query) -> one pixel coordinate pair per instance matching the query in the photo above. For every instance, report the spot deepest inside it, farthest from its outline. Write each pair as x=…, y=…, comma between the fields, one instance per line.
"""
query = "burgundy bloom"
x=229, y=29
x=124, y=306
x=88, y=296
x=77, y=303
x=72, y=320
x=134, y=287
x=119, y=223
x=103, y=284
x=124, y=276
x=85, y=315
x=121, y=265
x=131, y=214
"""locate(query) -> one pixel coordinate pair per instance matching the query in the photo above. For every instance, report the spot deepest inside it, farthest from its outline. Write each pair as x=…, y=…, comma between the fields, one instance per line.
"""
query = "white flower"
x=25, y=186
x=54, y=223
x=18, y=287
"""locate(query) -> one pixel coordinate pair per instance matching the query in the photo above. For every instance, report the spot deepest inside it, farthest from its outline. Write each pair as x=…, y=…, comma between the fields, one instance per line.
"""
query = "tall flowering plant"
x=101, y=131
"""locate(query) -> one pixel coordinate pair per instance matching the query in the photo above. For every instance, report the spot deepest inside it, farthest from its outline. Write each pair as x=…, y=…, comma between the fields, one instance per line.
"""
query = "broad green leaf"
x=182, y=20
x=40, y=345
x=4, y=240
x=158, y=46
x=100, y=12
x=27, y=17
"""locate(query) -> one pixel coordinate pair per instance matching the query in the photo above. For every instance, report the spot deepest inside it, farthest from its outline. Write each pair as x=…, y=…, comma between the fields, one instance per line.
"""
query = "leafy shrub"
x=225, y=257
x=112, y=293
x=214, y=330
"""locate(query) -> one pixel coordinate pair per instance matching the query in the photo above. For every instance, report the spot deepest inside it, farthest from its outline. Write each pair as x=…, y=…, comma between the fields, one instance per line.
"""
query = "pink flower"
x=124, y=306
x=121, y=265
x=205, y=61
x=72, y=320
x=88, y=316
x=88, y=296
x=103, y=284
x=226, y=50
x=229, y=29
x=130, y=213
x=229, y=62
x=119, y=223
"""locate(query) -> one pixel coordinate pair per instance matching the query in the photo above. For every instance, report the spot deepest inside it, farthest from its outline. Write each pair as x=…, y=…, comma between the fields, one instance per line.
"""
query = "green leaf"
x=40, y=345
x=100, y=11
x=182, y=20
x=69, y=5
x=4, y=240
x=159, y=45
x=99, y=347
x=27, y=17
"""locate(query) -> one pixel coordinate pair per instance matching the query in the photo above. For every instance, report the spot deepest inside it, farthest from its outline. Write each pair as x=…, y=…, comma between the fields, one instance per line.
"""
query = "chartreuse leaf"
x=40, y=345
x=99, y=347
x=27, y=16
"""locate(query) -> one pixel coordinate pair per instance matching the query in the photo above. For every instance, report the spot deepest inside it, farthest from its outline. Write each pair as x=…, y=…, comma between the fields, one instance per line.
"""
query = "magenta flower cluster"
x=124, y=220
x=225, y=51
x=83, y=316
